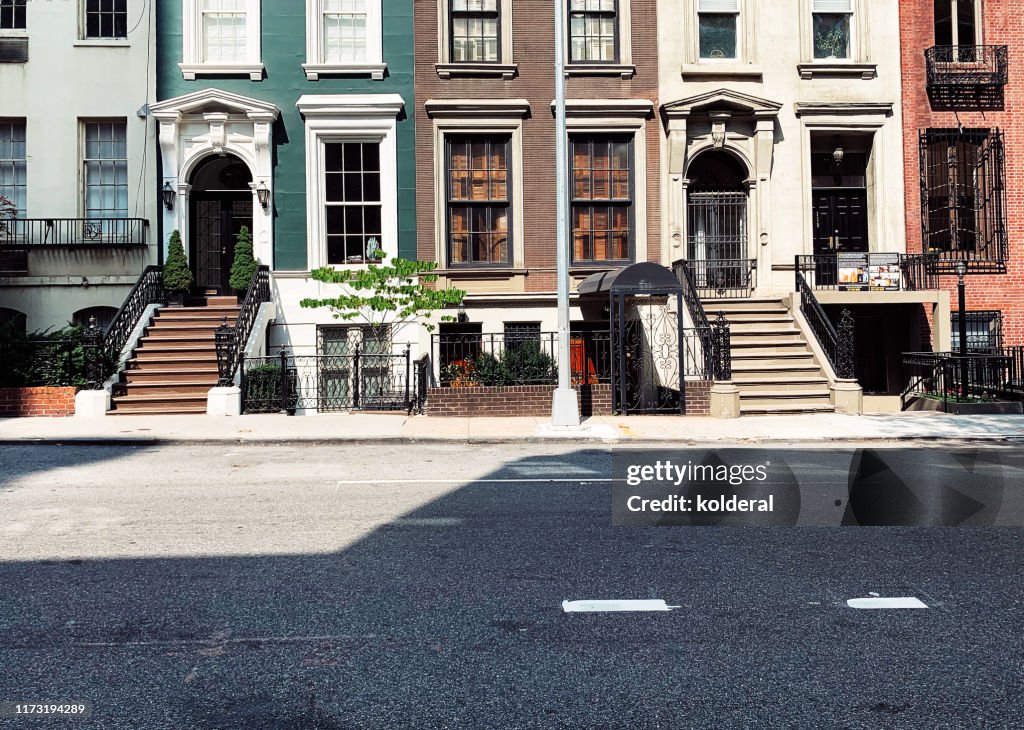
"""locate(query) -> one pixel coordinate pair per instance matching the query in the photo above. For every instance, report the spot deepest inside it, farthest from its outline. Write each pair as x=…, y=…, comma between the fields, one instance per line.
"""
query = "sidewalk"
x=364, y=427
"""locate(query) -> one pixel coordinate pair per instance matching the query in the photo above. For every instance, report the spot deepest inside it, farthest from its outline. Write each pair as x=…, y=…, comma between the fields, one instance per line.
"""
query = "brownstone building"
x=962, y=105
x=485, y=148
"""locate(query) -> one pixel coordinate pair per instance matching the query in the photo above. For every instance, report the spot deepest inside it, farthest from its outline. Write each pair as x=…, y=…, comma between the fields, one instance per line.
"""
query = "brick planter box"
x=37, y=401
x=535, y=400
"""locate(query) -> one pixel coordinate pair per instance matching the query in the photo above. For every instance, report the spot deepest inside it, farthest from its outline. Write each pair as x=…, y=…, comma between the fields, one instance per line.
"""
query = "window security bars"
x=106, y=19
x=984, y=331
x=12, y=14
x=344, y=31
x=593, y=31
x=963, y=198
x=479, y=200
x=352, y=205
x=475, y=31
x=602, y=199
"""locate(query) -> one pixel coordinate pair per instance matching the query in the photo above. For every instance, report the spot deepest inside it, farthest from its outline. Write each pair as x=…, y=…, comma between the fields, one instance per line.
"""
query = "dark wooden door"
x=840, y=220
x=217, y=219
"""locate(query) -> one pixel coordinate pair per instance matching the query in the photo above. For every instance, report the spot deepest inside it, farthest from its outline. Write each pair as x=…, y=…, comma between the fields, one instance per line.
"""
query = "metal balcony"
x=967, y=76
x=73, y=232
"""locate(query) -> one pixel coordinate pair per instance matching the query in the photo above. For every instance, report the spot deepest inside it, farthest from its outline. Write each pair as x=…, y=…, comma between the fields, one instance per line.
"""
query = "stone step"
x=737, y=318
x=762, y=326
x=785, y=397
x=194, y=387
x=165, y=403
x=170, y=374
x=200, y=315
x=205, y=338
x=169, y=410
x=758, y=409
x=161, y=360
x=218, y=310
x=756, y=353
x=768, y=339
x=182, y=348
x=770, y=369
x=770, y=383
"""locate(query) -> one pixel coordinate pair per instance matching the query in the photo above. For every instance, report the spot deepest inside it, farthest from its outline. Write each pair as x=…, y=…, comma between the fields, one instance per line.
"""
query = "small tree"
x=244, y=265
x=386, y=294
x=177, y=276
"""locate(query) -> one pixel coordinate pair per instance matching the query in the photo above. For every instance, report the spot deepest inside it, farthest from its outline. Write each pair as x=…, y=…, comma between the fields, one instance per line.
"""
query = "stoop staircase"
x=175, y=363
x=772, y=365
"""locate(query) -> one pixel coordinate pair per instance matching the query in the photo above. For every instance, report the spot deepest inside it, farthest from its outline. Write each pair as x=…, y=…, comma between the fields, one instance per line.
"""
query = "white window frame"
x=858, y=63
x=19, y=32
x=979, y=35
x=315, y=65
x=349, y=118
x=745, y=63
x=446, y=68
x=20, y=209
x=83, y=124
x=192, y=44
x=85, y=39
x=741, y=22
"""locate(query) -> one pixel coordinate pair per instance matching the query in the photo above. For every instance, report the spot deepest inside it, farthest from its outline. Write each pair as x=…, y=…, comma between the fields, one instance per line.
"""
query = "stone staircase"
x=174, y=364
x=772, y=364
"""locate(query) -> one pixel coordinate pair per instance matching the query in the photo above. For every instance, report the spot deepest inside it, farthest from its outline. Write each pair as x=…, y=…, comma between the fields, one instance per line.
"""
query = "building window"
x=956, y=22
x=345, y=31
x=593, y=31
x=522, y=334
x=106, y=170
x=12, y=164
x=475, y=31
x=479, y=200
x=12, y=14
x=718, y=28
x=984, y=331
x=352, y=202
x=343, y=36
x=106, y=19
x=602, y=198
x=221, y=37
x=831, y=23
x=963, y=197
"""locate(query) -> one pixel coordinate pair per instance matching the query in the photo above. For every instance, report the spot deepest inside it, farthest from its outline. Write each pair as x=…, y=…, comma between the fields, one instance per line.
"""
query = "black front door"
x=840, y=220
x=217, y=219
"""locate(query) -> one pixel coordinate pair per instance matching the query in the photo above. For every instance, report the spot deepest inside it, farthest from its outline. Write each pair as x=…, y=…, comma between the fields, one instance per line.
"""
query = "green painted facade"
x=284, y=51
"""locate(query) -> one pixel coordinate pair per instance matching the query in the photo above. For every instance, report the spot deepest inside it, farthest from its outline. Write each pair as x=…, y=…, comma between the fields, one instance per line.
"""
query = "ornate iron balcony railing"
x=99, y=232
x=967, y=66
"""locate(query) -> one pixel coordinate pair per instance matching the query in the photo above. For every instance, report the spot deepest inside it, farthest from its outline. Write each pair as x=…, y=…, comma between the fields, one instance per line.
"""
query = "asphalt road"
x=313, y=588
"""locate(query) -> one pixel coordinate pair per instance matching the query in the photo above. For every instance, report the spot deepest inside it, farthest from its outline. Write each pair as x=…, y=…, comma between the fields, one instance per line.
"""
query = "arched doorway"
x=717, y=222
x=220, y=204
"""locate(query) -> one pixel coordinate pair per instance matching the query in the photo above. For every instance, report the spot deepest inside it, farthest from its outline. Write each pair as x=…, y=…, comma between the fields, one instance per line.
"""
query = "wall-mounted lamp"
x=837, y=155
x=168, y=195
x=263, y=193
x=462, y=316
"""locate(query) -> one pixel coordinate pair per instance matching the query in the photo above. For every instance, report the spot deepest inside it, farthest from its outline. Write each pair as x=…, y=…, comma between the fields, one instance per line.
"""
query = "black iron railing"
x=716, y=348
x=836, y=342
x=325, y=383
x=723, y=278
x=954, y=378
x=965, y=66
x=231, y=339
x=868, y=271
x=103, y=347
x=523, y=359
x=56, y=232
x=424, y=379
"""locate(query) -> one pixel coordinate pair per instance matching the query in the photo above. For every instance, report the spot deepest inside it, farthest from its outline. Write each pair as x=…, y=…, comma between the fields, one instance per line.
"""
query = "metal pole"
x=961, y=294
x=564, y=406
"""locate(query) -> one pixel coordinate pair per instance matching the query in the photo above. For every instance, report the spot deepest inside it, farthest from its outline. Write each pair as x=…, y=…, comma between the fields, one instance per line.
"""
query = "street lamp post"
x=961, y=294
x=564, y=403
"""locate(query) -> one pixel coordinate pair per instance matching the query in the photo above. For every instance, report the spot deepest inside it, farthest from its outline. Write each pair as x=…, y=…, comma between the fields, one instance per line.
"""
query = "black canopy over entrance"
x=646, y=335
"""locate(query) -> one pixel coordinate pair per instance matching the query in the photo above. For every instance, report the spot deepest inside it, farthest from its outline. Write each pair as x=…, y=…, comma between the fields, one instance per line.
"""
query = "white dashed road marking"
x=610, y=606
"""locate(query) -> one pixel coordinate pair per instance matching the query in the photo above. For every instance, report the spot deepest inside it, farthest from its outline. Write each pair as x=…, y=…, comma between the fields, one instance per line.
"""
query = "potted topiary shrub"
x=177, y=276
x=244, y=265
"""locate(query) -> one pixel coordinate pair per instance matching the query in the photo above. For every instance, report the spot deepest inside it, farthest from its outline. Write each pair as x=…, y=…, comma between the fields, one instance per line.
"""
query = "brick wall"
x=533, y=42
x=535, y=400
x=1001, y=25
x=37, y=401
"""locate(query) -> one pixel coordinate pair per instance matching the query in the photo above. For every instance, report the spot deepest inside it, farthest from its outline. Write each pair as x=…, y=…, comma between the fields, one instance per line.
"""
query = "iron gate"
x=717, y=236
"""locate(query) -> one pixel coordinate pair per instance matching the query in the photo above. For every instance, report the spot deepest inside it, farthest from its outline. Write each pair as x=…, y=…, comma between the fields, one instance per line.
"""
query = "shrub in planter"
x=488, y=370
x=243, y=266
x=525, y=363
x=261, y=389
x=177, y=276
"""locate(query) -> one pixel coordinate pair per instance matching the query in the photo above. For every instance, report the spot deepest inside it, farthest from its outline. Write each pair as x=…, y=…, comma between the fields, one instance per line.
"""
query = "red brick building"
x=963, y=100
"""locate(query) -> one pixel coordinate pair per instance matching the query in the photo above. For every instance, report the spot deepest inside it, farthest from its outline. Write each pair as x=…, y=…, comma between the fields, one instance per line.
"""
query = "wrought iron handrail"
x=716, y=342
x=114, y=232
x=967, y=65
x=231, y=339
x=103, y=348
x=837, y=343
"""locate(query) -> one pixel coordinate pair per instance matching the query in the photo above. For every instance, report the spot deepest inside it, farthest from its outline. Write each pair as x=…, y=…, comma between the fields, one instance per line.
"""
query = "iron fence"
x=953, y=378
x=330, y=383
x=112, y=232
x=868, y=271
